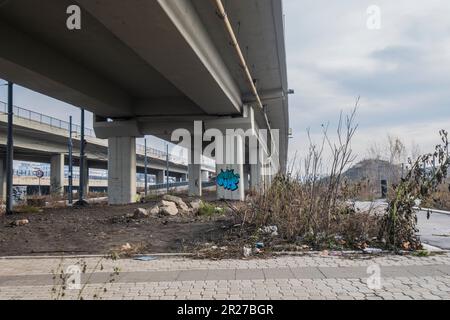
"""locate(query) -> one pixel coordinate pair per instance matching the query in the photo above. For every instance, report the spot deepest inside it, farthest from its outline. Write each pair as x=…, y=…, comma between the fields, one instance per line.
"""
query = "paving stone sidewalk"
x=312, y=276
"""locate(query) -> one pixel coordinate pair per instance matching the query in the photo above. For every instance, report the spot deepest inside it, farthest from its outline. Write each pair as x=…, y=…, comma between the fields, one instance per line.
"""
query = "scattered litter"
x=220, y=210
x=372, y=251
x=247, y=252
x=272, y=230
x=145, y=258
x=259, y=245
x=258, y=251
x=20, y=223
x=126, y=247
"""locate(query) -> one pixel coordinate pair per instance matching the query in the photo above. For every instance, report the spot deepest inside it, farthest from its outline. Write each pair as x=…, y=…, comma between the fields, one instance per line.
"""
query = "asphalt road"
x=436, y=230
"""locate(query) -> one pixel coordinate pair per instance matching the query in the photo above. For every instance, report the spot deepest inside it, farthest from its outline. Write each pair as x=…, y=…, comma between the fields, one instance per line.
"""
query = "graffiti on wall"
x=228, y=180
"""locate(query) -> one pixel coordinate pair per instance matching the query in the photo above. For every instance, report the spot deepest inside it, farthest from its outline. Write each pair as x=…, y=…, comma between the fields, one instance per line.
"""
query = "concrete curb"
x=189, y=255
x=43, y=257
x=433, y=211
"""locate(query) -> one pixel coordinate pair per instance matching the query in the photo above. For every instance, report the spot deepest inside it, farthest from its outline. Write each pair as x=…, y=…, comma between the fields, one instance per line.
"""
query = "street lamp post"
x=9, y=153
x=167, y=168
x=70, y=162
x=81, y=201
x=81, y=191
x=146, y=168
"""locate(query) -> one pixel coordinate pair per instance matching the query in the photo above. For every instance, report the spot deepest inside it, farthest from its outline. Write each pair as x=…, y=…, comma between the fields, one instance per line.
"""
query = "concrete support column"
x=161, y=177
x=255, y=176
x=122, y=170
x=246, y=177
x=183, y=178
x=2, y=179
x=205, y=176
x=230, y=175
x=264, y=178
x=57, y=174
x=195, y=171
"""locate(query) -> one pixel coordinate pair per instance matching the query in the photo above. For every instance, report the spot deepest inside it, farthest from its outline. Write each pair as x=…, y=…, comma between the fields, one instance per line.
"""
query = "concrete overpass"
x=149, y=67
x=44, y=139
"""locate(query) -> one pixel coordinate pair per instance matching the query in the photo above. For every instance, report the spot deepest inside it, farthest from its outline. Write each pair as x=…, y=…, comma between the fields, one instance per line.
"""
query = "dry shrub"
x=425, y=175
x=302, y=215
x=313, y=206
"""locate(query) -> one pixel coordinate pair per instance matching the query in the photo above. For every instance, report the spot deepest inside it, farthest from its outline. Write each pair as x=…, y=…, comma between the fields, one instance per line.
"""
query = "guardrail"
x=64, y=125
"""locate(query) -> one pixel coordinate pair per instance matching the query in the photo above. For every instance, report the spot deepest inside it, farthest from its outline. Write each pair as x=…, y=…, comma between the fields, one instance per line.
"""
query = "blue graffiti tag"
x=228, y=180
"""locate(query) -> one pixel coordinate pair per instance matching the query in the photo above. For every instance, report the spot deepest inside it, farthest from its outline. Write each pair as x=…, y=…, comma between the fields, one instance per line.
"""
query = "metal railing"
x=161, y=155
x=64, y=125
x=179, y=184
x=44, y=119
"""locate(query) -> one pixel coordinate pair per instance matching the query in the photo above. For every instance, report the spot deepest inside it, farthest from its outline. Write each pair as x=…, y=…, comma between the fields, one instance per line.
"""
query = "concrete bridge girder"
x=191, y=74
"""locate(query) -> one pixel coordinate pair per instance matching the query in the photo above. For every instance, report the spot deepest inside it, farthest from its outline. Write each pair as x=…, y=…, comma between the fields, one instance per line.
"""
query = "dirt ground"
x=100, y=229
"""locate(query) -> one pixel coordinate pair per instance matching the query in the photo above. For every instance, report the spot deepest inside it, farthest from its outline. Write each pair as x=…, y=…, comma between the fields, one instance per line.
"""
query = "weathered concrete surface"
x=122, y=170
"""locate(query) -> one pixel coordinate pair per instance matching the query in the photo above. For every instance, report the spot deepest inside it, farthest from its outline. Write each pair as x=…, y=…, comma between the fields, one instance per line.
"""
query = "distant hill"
x=374, y=170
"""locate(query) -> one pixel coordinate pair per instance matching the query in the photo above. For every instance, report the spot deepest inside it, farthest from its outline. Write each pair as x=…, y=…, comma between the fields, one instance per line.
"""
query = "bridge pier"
x=161, y=177
x=255, y=177
x=246, y=179
x=205, y=176
x=195, y=170
x=122, y=170
x=2, y=179
x=232, y=169
x=57, y=174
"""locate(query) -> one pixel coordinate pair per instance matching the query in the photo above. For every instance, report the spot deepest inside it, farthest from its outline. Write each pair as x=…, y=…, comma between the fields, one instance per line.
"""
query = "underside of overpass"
x=150, y=67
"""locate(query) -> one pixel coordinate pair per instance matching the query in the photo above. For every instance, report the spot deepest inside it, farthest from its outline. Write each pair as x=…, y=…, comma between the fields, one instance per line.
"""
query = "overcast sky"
x=401, y=71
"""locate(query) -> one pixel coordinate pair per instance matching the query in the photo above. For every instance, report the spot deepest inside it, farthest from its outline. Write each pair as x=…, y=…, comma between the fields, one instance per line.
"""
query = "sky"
x=401, y=71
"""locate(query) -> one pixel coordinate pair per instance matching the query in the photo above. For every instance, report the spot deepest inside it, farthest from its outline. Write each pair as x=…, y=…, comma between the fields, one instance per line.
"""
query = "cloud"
x=401, y=72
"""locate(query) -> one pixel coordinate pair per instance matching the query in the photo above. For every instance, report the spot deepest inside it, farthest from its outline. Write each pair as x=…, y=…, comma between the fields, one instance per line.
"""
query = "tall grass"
x=311, y=205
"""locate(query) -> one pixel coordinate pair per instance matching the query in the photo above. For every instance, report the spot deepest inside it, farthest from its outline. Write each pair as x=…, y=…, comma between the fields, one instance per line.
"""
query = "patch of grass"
x=421, y=253
x=209, y=210
x=151, y=197
x=27, y=209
